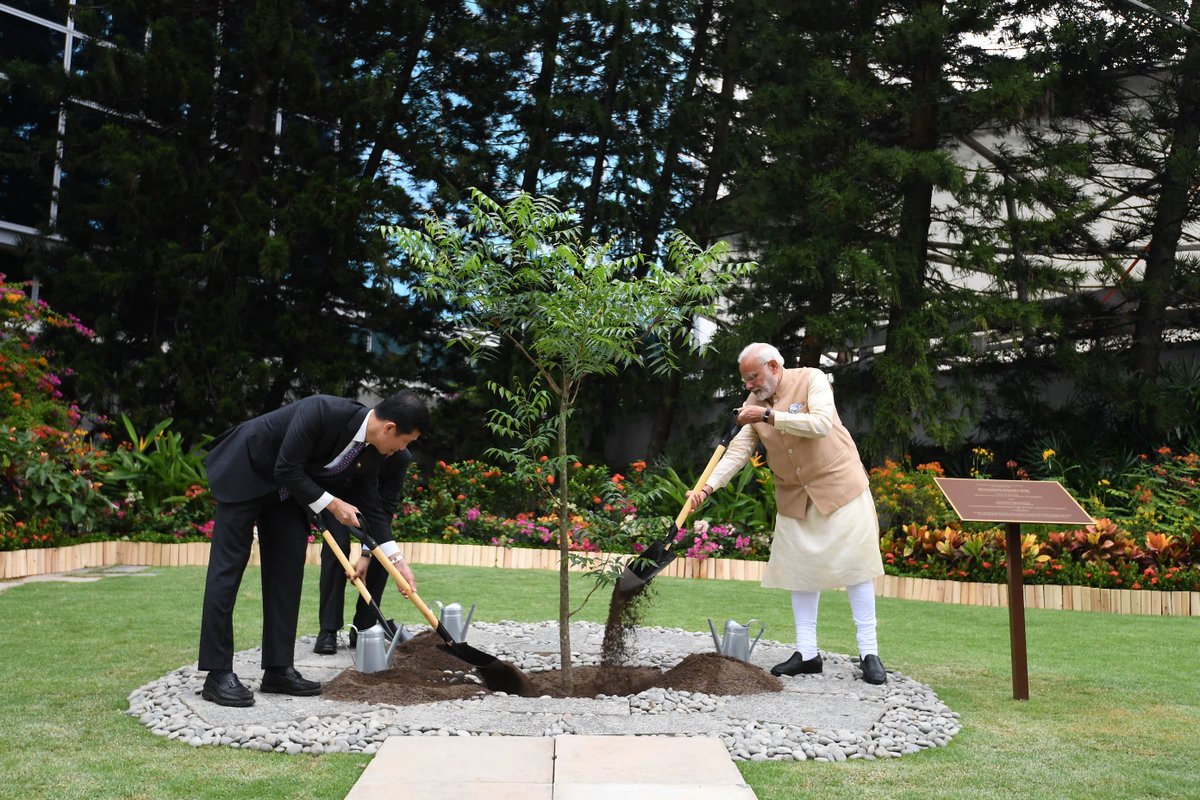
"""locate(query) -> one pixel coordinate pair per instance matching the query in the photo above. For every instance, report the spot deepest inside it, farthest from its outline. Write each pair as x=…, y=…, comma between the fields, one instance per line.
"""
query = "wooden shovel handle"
x=332, y=544
x=704, y=476
x=405, y=589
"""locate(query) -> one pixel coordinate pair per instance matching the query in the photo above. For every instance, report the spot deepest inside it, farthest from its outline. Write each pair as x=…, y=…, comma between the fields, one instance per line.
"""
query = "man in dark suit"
x=371, y=572
x=274, y=472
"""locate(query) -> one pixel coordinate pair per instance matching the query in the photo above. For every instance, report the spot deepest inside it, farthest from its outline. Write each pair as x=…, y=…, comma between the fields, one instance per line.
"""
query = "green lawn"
x=1114, y=708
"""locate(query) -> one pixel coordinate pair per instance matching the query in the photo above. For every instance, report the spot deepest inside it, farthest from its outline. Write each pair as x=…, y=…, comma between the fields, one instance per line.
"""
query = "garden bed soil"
x=421, y=673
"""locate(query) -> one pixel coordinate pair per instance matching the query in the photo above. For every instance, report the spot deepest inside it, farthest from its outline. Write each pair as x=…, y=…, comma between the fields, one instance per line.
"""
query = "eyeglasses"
x=751, y=378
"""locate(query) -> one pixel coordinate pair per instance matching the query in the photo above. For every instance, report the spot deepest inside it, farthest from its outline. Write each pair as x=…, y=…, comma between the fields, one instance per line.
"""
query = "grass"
x=1114, y=706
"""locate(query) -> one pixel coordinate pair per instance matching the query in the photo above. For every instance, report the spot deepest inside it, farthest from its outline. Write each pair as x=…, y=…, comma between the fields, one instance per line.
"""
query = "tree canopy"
x=959, y=209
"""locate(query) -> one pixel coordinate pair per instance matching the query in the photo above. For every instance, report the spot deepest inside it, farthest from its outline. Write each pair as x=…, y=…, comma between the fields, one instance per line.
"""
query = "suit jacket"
x=285, y=448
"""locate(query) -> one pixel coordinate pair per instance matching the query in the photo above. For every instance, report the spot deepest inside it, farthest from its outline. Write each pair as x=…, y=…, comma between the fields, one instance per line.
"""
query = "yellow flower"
x=1047, y=454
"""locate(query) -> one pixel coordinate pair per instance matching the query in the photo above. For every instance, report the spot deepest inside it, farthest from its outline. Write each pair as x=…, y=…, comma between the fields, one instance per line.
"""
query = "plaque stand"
x=1016, y=611
x=1011, y=503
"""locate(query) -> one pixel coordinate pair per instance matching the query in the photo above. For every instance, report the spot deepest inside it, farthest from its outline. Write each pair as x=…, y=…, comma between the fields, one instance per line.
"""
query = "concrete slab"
x=57, y=577
x=558, y=768
x=487, y=768
x=644, y=760
x=392, y=788
x=651, y=791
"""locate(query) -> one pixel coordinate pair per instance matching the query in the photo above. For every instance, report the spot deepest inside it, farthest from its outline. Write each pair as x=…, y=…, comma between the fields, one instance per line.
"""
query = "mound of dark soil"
x=421, y=673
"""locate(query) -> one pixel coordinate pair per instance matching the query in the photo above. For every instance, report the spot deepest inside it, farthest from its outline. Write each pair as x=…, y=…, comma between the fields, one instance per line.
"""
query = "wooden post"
x=1016, y=612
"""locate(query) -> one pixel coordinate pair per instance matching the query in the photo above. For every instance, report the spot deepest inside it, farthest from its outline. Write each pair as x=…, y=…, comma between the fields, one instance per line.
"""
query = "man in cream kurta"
x=826, y=531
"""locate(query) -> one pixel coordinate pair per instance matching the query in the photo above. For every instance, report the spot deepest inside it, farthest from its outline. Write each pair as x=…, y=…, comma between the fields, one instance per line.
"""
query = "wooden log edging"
x=17, y=564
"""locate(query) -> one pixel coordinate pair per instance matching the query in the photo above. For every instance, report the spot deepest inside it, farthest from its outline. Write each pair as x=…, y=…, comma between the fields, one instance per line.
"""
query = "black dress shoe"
x=326, y=643
x=797, y=665
x=224, y=689
x=286, y=680
x=872, y=670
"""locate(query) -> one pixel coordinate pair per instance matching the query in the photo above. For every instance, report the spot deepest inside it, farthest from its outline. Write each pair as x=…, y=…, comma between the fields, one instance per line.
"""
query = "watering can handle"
x=761, y=627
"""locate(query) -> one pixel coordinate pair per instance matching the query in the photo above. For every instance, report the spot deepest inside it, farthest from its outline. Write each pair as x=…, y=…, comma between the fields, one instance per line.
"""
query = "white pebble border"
x=914, y=718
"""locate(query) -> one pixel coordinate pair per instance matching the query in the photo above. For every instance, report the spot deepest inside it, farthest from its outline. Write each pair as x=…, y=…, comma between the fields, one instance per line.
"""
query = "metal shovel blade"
x=658, y=555
x=651, y=561
x=497, y=675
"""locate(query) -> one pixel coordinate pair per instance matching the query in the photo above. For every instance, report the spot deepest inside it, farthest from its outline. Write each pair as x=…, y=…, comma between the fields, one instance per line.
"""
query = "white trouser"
x=862, y=606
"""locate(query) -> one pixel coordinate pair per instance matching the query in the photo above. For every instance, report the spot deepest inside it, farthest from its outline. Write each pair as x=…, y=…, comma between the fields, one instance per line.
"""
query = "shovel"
x=336, y=549
x=659, y=554
x=496, y=674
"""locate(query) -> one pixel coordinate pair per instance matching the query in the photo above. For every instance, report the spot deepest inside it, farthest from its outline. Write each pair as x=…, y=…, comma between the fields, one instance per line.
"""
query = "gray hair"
x=763, y=351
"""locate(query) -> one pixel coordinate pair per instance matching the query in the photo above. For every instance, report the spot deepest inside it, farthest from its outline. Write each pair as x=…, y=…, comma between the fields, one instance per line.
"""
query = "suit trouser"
x=283, y=531
x=333, y=585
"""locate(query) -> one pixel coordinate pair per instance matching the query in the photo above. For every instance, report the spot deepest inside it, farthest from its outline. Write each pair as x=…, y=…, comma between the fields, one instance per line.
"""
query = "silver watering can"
x=372, y=653
x=452, y=620
x=737, y=639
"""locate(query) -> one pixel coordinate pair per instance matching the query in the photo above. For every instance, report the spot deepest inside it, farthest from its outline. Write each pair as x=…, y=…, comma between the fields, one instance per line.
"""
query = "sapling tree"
x=521, y=278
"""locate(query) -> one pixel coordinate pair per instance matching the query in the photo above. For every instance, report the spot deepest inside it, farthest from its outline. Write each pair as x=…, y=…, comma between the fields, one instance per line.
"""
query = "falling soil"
x=624, y=614
x=421, y=673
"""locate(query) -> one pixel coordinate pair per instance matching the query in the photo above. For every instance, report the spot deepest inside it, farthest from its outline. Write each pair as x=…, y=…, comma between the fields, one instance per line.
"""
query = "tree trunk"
x=904, y=380
x=677, y=129
x=542, y=91
x=614, y=71
x=400, y=88
x=1170, y=212
x=564, y=548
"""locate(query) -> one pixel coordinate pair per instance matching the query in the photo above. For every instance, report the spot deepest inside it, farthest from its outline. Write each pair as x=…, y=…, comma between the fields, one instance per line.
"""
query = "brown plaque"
x=976, y=500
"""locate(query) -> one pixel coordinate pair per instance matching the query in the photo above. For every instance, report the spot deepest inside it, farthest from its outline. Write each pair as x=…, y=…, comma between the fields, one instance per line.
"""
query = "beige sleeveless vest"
x=827, y=469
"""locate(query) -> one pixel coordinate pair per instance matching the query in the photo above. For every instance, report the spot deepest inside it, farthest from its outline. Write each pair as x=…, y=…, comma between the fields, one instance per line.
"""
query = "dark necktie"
x=336, y=468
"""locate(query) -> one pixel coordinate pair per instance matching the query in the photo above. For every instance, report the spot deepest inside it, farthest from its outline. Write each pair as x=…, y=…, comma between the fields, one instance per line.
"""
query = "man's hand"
x=698, y=497
x=747, y=415
x=402, y=566
x=360, y=569
x=343, y=512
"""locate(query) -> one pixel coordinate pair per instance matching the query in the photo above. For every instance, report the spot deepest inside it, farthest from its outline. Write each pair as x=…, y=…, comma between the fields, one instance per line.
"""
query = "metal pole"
x=1016, y=612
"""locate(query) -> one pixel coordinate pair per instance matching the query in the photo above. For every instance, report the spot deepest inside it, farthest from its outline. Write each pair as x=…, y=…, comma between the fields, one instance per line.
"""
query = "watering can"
x=372, y=652
x=451, y=617
x=736, y=643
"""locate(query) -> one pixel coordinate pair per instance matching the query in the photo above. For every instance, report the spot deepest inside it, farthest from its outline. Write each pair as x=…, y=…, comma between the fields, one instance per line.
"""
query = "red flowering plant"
x=475, y=502
x=49, y=466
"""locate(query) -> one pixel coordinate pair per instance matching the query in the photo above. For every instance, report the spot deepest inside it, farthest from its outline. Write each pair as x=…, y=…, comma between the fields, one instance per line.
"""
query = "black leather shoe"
x=286, y=680
x=326, y=643
x=872, y=669
x=224, y=689
x=796, y=665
